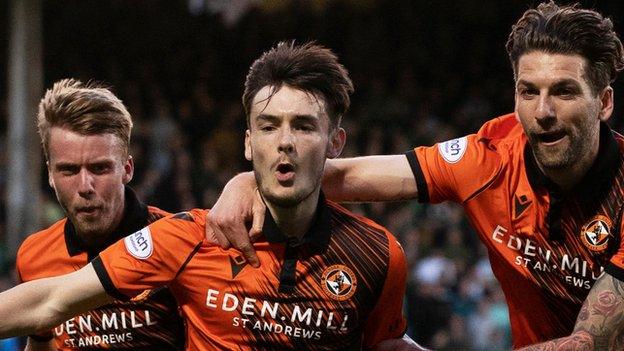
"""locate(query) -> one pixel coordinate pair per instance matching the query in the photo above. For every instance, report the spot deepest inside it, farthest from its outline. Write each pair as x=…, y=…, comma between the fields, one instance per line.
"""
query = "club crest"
x=339, y=282
x=596, y=233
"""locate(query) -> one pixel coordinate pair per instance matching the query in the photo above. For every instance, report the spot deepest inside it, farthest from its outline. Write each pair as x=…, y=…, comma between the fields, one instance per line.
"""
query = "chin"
x=287, y=199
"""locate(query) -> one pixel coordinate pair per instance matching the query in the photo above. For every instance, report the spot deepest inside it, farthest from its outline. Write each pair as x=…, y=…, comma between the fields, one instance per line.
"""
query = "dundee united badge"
x=595, y=234
x=339, y=282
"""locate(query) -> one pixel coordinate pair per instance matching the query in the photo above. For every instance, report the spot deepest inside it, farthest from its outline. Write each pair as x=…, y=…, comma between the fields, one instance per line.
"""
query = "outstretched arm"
x=370, y=178
x=43, y=304
x=600, y=323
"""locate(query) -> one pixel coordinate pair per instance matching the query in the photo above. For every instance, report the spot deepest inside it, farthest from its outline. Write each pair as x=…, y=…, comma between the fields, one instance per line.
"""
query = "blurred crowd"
x=423, y=71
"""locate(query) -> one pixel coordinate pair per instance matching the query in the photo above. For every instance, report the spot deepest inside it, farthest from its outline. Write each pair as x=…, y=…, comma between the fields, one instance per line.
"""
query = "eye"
x=100, y=168
x=68, y=170
x=306, y=127
x=528, y=93
x=566, y=93
x=267, y=128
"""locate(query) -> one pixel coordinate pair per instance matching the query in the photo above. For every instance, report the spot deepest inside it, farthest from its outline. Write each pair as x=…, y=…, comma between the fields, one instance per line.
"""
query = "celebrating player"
x=330, y=279
x=543, y=186
x=85, y=133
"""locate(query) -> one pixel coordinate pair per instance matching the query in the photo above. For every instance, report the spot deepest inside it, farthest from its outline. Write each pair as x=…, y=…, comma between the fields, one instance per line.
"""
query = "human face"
x=558, y=110
x=88, y=174
x=288, y=140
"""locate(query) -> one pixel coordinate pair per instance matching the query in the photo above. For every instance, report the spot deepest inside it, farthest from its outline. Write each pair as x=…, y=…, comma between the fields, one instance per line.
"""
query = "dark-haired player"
x=543, y=186
x=330, y=280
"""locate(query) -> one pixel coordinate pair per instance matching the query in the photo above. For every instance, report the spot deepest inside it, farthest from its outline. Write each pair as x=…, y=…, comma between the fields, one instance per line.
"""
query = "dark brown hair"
x=308, y=67
x=86, y=109
x=570, y=30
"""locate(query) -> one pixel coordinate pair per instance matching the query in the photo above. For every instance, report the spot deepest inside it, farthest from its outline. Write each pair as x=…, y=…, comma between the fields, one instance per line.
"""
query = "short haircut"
x=86, y=109
x=308, y=67
x=570, y=30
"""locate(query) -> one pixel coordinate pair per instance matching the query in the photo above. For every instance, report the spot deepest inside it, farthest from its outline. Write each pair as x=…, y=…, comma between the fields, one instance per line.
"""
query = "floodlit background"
x=424, y=71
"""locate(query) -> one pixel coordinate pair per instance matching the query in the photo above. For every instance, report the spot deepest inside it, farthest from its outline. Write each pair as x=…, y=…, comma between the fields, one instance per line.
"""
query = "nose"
x=545, y=109
x=86, y=186
x=286, y=141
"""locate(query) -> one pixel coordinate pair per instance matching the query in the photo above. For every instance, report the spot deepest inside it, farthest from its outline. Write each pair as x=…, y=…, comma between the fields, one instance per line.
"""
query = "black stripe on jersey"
x=421, y=183
x=184, y=216
x=106, y=281
x=188, y=259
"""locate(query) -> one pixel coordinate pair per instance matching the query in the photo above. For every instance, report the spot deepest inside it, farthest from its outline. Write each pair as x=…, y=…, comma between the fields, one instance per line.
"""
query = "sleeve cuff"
x=106, y=281
x=615, y=271
x=421, y=183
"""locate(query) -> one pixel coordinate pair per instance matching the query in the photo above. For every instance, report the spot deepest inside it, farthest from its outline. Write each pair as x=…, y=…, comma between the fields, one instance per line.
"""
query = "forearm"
x=29, y=308
x=370, y=178
x=600, y=322
x=43, y=304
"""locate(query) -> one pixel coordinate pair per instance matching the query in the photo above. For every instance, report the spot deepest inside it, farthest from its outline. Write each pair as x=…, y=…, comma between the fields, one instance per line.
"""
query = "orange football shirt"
x=149, y=322
x=546, y=247
x=340, y=287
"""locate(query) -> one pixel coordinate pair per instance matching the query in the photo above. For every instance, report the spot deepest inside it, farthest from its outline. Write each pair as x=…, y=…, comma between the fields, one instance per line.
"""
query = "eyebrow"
x=558, y=84
x=272, y=118
x=61, y=164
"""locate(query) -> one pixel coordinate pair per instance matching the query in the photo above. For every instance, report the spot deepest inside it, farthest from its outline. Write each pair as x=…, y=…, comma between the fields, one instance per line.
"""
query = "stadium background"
x=424, y=71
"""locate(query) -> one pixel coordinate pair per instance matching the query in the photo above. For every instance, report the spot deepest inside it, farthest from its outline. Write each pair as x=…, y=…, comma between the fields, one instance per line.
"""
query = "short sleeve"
x=151, y=257
x=454, y=170
x=386, y=321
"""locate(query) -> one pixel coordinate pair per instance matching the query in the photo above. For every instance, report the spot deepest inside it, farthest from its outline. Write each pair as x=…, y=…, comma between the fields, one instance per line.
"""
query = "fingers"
x=258, y=211
x=214, y=234
x=249, y=252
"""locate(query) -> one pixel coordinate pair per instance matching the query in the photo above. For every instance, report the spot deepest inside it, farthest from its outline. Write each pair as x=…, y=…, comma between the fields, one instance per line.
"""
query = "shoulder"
x=344, y=220
x=187, y=224
x=41, y=247
x=154, y=213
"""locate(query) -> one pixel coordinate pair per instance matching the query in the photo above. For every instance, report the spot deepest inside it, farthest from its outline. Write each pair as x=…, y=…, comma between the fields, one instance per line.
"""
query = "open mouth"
x=285, y=168
x=551, y=137
x=285, y=172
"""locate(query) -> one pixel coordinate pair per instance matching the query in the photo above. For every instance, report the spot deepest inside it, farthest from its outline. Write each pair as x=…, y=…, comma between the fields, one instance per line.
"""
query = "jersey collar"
x=318, y=235
x=600, y=174
x=134, y=218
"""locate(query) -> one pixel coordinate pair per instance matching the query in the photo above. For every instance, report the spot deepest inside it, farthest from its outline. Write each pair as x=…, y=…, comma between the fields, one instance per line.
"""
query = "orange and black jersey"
x=339, y=288
x=546, y=247
x=149, y=322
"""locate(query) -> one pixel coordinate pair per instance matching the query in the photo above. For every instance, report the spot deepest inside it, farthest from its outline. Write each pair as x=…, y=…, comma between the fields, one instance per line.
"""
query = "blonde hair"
x=87, y=109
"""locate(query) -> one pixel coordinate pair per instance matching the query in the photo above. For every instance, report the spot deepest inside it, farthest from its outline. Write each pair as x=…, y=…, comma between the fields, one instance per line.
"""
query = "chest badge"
x=595, y=234
x=339, y=282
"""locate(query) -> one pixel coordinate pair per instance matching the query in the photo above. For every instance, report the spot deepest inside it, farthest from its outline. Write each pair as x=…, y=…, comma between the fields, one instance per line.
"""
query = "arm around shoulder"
x=369, y=178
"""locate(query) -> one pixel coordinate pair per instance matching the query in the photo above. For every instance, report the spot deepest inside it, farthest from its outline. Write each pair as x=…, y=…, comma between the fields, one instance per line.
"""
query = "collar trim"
x=318, y=236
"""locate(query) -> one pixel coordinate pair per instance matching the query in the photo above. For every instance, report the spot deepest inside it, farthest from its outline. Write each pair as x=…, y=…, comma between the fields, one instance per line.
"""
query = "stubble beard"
x=290, y=201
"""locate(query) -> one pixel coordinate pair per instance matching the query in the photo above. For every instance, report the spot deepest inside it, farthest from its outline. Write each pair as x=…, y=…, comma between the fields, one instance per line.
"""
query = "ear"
x=606, y=100
x=248, y=145
x=337, y=141
x=128, y=170
x=50, y=178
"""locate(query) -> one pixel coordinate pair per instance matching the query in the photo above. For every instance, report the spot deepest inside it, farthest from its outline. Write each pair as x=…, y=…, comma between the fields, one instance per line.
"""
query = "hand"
x=403, y=344
x=238, y=204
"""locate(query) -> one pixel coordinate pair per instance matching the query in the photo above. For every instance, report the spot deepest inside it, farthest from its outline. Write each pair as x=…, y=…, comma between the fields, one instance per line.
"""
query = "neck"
x=295, y=221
